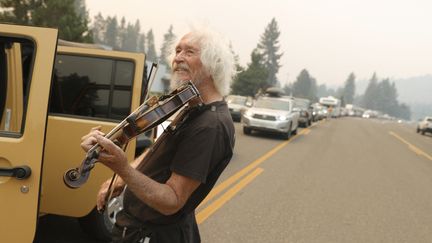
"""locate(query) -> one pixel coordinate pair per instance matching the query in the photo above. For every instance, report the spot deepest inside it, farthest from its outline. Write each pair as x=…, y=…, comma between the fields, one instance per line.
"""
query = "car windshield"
x=301, y=104
x=273, y=104
x=236, y=100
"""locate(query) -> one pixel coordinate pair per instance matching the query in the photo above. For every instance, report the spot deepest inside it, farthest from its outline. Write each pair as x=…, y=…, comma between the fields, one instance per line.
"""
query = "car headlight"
x=282, y=118
x=248, y=113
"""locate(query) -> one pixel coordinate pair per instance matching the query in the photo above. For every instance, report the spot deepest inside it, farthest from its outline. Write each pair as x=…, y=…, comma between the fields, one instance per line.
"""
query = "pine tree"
x=126, y=36
x=322, y=90
x=269, y=49
x=251, y=80
x=122, y=35
x=69, y=16
x=112, y=32
x=141, y=43
x=18, y=12
x=131, y=36
x=387, y=98
x=383, y=96
x=305, y=86
x=165, y=50
x=349, y=89
x=98, y=29
x=62, y=15
x=288, y=89
x=151, y=50
x=238, y=67
x=371, y=93
x=80, y=8
x=404, y=112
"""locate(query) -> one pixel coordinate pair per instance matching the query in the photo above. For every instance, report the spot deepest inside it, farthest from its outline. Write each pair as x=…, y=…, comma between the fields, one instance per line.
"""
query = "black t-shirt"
x=200, y=148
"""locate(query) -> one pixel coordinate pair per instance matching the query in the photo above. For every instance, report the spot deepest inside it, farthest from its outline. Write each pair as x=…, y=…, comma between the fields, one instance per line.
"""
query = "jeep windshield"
x=273, y=104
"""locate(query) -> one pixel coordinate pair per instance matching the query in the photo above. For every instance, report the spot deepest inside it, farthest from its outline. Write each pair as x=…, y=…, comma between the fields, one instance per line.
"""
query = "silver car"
x=237, y=105
x=271, y=114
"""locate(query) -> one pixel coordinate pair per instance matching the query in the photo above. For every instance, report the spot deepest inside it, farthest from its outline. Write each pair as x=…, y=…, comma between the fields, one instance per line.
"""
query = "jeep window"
x=91, y=87
x=16, y=61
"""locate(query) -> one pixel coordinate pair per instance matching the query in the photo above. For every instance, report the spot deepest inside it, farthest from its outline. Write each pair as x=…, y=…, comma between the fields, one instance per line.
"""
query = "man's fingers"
x=110, y=154
x=88, y=140
x=92, y=134
x=100, y=199
x=100, y=203
x=96, y=128
x=107, y=144
x=88, y=143
x=104, y=156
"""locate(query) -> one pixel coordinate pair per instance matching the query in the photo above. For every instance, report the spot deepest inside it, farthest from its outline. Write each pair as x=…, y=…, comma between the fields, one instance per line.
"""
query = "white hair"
x=216, y=57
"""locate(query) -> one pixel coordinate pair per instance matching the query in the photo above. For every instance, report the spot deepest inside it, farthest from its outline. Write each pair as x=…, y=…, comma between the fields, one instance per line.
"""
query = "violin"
x=148, y=115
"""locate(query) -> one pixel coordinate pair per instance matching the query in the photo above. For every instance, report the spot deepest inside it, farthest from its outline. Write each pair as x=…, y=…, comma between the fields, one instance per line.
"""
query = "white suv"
x=425, y=125
x=273, y=115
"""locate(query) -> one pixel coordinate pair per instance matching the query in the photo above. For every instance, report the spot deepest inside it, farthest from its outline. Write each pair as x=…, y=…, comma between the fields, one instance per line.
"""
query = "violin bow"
x=150, y=81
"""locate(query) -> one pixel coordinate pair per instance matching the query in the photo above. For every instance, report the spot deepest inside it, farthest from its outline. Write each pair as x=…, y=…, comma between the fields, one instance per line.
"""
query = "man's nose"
x=178, y=57
x=177, y=61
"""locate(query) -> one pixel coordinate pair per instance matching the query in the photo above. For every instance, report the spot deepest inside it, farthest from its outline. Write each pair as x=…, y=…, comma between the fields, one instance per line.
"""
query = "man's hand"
x=88, y=140
x=111, y=155
x=118, y=186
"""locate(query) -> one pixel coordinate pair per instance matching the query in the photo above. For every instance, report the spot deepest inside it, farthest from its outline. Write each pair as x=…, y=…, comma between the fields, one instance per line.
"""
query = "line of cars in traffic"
x=274, y=112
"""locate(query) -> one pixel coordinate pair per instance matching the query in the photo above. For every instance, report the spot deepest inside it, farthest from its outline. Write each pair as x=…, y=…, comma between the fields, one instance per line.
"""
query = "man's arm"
x=166, y=198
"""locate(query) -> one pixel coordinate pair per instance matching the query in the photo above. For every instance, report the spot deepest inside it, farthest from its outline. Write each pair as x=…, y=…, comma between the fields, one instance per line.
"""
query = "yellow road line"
x=218, y=203
x=411, y=147
x=306, y=131
x=225, y=184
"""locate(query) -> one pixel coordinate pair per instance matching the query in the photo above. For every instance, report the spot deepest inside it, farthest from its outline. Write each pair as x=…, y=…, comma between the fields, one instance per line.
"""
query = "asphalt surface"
x=341, y=180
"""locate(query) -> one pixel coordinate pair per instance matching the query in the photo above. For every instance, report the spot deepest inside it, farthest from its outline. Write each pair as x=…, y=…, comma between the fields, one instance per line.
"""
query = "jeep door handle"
x=19, y=172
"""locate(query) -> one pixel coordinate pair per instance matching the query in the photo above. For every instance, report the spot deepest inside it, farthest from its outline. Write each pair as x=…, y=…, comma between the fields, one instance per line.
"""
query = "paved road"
x=345, y=180
x=342, y=180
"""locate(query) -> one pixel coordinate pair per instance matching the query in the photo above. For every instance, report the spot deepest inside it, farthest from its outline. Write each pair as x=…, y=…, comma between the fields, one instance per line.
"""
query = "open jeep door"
x=26, y=62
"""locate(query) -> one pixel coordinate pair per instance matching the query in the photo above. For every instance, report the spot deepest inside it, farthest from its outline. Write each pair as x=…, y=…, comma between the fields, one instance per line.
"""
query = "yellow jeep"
x=50, y=96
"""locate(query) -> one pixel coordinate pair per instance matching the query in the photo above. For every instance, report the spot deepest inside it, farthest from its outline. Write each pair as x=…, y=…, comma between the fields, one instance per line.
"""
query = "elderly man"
x=167, y=183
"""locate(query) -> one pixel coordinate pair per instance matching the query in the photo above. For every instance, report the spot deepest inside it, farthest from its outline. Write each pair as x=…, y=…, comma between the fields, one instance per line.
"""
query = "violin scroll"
x=76, y=177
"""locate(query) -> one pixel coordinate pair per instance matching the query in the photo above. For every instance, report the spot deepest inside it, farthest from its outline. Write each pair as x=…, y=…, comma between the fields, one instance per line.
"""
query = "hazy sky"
x=330, y=38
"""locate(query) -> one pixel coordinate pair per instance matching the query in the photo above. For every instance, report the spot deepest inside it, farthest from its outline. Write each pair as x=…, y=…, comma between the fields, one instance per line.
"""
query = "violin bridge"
x=152, y=101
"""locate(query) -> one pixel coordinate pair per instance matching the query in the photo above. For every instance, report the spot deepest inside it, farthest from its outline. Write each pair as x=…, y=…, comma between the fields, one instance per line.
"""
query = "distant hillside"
x=410, y=90
x=414, y=91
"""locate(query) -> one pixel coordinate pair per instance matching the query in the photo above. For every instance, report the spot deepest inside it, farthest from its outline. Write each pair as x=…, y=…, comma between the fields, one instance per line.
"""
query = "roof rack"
x=275, y=92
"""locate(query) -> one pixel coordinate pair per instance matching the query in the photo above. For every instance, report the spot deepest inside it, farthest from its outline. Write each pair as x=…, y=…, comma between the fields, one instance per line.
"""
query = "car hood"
x=270, y=112
x=235, y=106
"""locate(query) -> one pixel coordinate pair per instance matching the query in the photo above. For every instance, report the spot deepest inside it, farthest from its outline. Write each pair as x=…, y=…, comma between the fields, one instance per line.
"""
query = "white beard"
x=176, y=82
x=197, y=79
